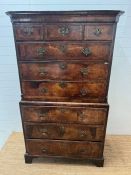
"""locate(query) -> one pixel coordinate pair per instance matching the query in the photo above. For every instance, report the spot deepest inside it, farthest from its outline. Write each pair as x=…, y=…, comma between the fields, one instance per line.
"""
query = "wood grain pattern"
x=66, y=16
x=106, y=31
x=64, y=148
x=64, y=131
x=27, y=31
x=63, y=90
x=72, y=50
x=64, y=114
x=64, y=61
x=64, y=71
x=72, y=32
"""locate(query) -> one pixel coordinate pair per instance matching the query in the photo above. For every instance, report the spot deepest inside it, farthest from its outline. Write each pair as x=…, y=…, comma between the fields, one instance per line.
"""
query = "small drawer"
x=65, y=114
x=64, y=71
x=64, y=32
x=27, y=31
x=62, y=90
x=64, y=131
x=99, y=32
x=68, y=149
x=64, y=51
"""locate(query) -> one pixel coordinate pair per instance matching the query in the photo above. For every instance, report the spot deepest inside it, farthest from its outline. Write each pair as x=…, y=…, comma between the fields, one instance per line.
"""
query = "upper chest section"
x=66, y=25
x=64, y=31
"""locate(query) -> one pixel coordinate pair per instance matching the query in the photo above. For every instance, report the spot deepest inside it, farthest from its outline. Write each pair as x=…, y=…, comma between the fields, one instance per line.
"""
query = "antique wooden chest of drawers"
x=64, y=60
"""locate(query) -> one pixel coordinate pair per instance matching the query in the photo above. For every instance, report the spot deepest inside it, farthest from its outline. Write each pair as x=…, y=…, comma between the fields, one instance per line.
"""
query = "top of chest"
x=64, y=25
x=65, y=16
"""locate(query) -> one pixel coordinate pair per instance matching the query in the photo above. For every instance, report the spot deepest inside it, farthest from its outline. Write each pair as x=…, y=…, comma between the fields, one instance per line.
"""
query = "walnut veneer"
x=64, y=60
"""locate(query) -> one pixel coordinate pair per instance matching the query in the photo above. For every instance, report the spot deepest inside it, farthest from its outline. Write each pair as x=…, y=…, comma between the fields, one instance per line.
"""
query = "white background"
x=119, y=121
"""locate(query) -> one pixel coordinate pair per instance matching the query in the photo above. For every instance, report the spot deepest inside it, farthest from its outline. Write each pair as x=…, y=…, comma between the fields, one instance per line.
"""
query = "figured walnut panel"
x=63, y=90
x=99, y=31
x=64, y=71
x=64, y=148
x=64, y=131
x=61, y=114
x=28, y=31
x=64, y=51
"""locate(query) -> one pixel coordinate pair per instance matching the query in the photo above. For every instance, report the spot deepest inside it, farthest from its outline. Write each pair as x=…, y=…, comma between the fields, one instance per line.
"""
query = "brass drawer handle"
x=43, y=90
x=62, y=130
x=28, y=31
x=106, y=63
x=81, y=115
x=82, y=150
x=44, y=150
x=43, y=114
x=41, y=51
x=84, y=71
x=86, y=51
x=43, y=72
x=98, y=31
x=62, y=110
x=63, y=48
x=82, y=134
x=83, y=92
x=63, y=65
x=63, y=30
x=62, y=84
x=44, y=132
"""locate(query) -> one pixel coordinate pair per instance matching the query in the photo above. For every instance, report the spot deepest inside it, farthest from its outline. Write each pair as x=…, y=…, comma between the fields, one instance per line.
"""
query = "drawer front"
x=85, y=115
x=63, y=90
x=64, y=131
x=64, y=71
x=64, y=32
x=63, y=50
x=99, y=32
x=96, y=31
x=29, y=31
x=83, y=149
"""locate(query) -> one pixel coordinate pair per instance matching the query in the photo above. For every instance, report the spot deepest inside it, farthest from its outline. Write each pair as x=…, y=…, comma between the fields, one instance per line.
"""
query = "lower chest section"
x=64, y=129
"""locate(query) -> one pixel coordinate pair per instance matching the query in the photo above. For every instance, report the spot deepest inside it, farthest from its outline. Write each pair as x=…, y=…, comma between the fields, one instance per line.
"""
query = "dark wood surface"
x=65, y=114
x=106, y=31
x=65, y=16
x=64, y=61
x=64, y=70
x=64, y=51
x=69, y=12
x=62, y=90
x=78, y=31
x=64, y=148
x=22, y=31
x=64, y=131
